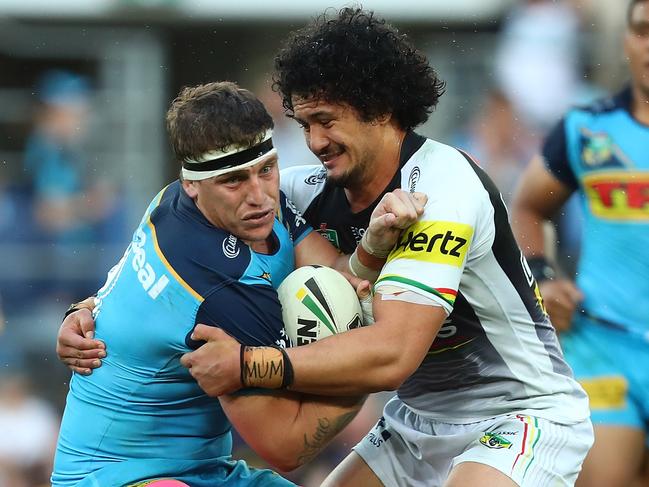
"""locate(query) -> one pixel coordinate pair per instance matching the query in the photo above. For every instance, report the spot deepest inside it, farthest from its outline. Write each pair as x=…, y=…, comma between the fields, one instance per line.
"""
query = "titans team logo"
x=598, y=150
x=266, y=277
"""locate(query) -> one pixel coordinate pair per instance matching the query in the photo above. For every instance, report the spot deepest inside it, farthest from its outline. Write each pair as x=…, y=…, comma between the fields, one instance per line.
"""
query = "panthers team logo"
x=495, y=441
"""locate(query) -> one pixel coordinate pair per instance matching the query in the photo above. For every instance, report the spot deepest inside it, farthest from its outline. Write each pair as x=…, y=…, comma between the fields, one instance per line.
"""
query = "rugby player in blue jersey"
x=601, y=152
x=211, y=248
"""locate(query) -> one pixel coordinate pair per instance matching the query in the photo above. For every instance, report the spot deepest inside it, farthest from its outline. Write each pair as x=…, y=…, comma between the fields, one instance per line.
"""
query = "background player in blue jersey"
x=602, y=152
x=210, y=248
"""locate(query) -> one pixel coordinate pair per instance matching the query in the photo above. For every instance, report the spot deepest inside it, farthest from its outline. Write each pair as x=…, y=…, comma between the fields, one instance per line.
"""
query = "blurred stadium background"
x=107, y=69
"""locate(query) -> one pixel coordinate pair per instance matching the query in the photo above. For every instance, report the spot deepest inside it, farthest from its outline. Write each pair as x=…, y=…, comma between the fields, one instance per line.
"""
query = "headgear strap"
x=215, y=163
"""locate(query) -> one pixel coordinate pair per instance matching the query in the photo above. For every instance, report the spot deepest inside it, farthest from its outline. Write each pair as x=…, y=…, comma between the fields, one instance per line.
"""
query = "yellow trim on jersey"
x=608, y=392
x=438, y=242
x=454, y=347
x=166, y=263
x=158, y=198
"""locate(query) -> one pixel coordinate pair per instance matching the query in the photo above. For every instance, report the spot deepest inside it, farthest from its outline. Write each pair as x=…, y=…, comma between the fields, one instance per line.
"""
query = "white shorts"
x=407, y=449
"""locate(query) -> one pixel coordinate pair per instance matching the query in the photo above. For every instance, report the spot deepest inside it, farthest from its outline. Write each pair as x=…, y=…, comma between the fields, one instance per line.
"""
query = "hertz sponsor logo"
x=618, y=195
x=434, y=241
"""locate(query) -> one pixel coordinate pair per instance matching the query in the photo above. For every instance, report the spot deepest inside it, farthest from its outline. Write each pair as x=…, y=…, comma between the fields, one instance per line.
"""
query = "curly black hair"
x=360, y=60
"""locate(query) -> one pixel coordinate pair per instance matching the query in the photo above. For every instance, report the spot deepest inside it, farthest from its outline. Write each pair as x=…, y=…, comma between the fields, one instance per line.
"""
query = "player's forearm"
x=374, y=358
x=528, y=226
x=359, y=361
x=537, y=198
x=319, y=420
x=300, y=426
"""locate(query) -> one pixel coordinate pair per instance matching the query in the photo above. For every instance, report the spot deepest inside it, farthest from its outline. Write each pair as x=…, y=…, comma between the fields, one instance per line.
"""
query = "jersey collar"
x=412, y=142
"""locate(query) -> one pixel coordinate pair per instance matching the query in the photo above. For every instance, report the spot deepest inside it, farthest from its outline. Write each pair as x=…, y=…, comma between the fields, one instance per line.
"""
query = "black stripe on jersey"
x=505, y=248
x=458, y=365
x=412, y=142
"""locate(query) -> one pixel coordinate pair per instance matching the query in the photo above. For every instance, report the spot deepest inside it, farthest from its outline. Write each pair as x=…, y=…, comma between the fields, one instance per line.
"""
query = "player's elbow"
x=393, y=378
x=391, y=384
x=393, y=374
x=287, y=466
x=283, y=451
x=281, y=459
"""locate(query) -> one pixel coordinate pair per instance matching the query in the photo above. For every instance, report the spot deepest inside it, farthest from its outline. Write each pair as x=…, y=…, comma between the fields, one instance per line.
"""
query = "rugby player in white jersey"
x=484, y=396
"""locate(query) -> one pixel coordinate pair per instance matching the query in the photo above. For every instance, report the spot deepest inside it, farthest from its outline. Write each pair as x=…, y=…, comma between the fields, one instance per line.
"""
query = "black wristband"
x=242, y=349
x=541, y=269
x=74, y=307
x=287, y=380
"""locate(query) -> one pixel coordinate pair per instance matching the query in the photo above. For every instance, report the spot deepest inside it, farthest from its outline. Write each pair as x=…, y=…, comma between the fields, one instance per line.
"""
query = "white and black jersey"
x=497, y=351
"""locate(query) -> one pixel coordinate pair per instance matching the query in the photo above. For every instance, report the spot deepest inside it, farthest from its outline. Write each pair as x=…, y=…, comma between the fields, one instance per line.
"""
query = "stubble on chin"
x=355, y=177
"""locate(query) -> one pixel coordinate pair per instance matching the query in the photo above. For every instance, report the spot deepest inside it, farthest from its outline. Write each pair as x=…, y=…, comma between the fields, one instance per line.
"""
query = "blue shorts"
x=206, y=473
x=612, y=366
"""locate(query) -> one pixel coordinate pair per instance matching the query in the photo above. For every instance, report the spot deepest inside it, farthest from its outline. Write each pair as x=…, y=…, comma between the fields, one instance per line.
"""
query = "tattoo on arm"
x=262, y=367
x=325, y=430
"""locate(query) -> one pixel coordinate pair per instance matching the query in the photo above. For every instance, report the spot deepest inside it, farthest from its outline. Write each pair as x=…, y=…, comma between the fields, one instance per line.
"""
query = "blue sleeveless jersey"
x=141, y=415
x=603, y=152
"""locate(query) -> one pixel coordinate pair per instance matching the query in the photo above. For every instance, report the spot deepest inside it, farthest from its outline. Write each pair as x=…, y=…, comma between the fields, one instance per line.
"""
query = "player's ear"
x=382, y=119
x=191, y=188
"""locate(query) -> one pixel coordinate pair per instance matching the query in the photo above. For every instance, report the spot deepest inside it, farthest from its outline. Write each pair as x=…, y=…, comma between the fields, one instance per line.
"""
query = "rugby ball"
x=317, y=302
